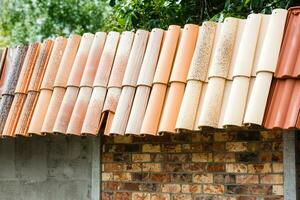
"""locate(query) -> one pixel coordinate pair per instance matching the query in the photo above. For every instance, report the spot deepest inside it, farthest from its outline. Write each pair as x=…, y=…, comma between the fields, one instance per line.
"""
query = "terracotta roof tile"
x=66, y=109
x=120, y=120
x=80, y=60
x=54, y=62
x=79, y=111
x=14, y=70
x=247, y=46
x=138, y=110
x=40, y=112
x=33, y=88
x=154, y=109
x=3, y=68
x=93, y=59
x=151, y=57
x=136, y=58
x=189, y=106
x=53, y=108
x=171, y=108
x=67, y=61
x=40, y=66
x=27, y=68
x=167, y=55
x=91, y=124
x=5, y=104
x=289, y=59
x=26, y=114
x=120, y=63
x=178, y=78
x=14, y=114
x=107, y=59
x=112, y=98
x=284, y=105
x=184, y=53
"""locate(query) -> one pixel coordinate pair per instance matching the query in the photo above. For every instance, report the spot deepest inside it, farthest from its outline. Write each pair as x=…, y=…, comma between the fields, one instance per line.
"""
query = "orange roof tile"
x=14, y=69
x=283, y=109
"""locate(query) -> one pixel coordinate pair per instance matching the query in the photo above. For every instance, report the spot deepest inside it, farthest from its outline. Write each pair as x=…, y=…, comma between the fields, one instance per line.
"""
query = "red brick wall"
x=206, y=166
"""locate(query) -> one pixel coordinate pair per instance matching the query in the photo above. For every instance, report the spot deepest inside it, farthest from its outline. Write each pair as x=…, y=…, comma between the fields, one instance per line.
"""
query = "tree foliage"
x=23, y=21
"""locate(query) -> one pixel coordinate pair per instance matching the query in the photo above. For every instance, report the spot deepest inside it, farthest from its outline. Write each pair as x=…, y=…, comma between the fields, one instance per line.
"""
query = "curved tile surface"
x=80, y=60
x=93, y=59
x=67, y=61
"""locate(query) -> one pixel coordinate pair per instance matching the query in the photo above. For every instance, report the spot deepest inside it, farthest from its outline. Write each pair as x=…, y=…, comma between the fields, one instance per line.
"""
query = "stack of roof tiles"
x=284, y=100
x=217, y=75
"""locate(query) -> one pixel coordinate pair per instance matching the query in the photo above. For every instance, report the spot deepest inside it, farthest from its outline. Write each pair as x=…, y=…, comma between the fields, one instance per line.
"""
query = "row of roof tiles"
x=218, y=75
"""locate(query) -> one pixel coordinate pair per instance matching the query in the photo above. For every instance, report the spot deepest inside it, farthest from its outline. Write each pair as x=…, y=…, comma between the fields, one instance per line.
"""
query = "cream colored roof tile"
x=202, y=54
x=189, y=106
x=272, y=42
x=224, y=49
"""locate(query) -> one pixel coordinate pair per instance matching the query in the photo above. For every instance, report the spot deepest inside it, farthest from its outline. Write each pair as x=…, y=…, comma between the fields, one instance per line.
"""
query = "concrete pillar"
x=289, y=161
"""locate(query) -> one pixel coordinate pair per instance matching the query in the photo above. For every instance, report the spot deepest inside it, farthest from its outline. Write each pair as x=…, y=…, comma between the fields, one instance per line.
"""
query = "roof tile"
x=79, y=111
x=184, y=53
x=40, y=112
x=284, y=105
x=171, y=108
x=91, y=124
x=107, y=59
x=27, y=68
x=136, y=58
x=14, y=114
x=289, y=58
x=93, y=59
x=52, y=111
x=40, y=66
x=151, y=57
x=200, y=62
x=5, y=104
x=167, y=55
x=154, y=109
x=80, y=60
x=26, y=114
x=138, y=109
x=272, y=42
x=224, y=49
x=54, y=62
x=14, y=70
x=4, y=64
x=121, y=59
x=67, y=61
x=65, y=112
x=283, y=109
x=120, y=120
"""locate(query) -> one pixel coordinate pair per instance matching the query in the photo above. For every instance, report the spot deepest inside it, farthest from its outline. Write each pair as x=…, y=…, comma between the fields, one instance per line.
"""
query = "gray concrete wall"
x=54, y=167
